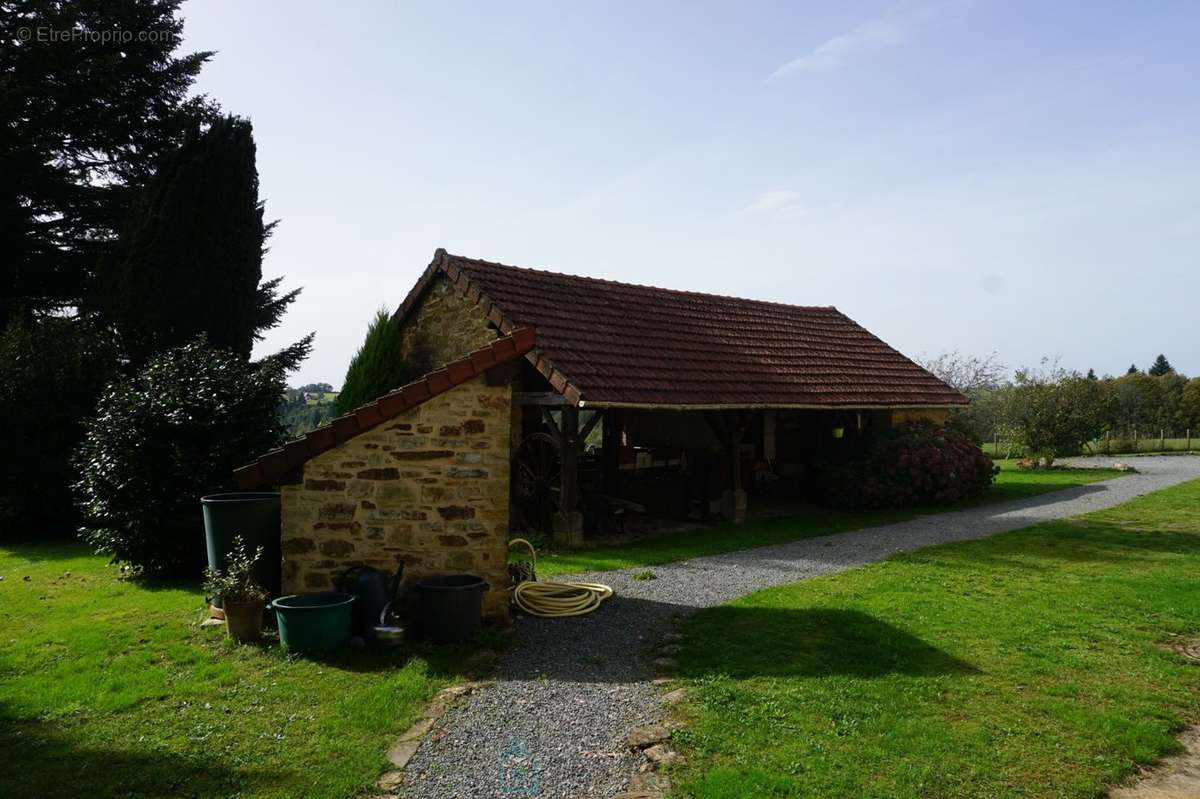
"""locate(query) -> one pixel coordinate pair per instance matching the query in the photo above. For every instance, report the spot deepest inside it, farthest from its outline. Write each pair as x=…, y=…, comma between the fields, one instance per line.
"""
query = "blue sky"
x=1017, y=177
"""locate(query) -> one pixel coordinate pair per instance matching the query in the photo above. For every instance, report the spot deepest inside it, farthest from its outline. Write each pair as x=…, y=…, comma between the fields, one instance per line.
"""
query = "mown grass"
x=1011, y=483
x=1027, y=664
x=110, y=688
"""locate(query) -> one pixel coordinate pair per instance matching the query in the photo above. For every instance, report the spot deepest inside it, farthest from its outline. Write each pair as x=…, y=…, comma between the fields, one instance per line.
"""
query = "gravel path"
x=568, y=691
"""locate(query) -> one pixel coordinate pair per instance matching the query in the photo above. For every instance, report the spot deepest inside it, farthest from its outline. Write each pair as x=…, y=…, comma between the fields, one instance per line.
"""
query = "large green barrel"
x=254, y=515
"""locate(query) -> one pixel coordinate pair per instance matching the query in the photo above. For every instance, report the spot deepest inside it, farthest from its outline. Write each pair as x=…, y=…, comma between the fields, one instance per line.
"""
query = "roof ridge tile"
x=451, y=257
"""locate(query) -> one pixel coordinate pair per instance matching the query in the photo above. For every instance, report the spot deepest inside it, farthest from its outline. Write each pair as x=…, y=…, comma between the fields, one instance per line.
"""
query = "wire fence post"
x=1135, y=439
x=1189, y=439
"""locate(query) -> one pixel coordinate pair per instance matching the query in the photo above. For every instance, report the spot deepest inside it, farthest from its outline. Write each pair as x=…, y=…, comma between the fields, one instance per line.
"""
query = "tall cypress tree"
x=190, y=258
x=377, y=367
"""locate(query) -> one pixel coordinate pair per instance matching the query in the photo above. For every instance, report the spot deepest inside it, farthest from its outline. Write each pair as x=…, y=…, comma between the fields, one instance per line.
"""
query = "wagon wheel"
x=536, y=479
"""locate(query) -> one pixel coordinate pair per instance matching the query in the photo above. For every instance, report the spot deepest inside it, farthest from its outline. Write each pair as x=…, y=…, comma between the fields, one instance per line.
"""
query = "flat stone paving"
x=568, y=691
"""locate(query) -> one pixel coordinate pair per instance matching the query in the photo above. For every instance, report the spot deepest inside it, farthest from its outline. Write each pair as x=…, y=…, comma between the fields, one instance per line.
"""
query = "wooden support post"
x=1162, y=439
x=568, y=522
x=610, y=467
x=735, y=466
x=731, y=429
x=552, y=425
x=769, y=439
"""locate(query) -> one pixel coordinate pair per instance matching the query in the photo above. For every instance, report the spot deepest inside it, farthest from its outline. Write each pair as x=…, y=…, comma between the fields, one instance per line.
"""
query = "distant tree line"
x=1048, y=411
x=307, y=408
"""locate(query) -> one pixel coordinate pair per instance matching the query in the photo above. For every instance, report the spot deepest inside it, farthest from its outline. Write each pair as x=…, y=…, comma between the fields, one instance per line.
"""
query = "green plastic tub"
x=314, y=622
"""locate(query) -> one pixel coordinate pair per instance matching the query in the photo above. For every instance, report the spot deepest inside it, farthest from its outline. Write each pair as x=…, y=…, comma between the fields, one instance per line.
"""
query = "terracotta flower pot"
x=244, y=620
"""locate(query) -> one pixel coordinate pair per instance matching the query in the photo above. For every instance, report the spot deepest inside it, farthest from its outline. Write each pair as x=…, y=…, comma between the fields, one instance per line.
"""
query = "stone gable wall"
x=429, y=487
x=444, y=326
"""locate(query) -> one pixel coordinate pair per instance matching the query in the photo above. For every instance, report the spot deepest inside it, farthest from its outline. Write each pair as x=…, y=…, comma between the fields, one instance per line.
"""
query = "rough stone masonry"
x=428, y=487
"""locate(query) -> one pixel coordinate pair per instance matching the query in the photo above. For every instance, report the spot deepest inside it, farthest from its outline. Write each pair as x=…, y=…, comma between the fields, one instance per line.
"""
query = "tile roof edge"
x=274, y=466
x=965, y=399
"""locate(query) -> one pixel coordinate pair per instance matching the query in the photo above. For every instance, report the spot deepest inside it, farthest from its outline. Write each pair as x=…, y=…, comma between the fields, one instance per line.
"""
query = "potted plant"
x=242, y=597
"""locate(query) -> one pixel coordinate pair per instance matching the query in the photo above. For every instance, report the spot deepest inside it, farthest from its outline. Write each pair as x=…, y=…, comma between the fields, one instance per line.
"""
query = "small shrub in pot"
x=242, y=597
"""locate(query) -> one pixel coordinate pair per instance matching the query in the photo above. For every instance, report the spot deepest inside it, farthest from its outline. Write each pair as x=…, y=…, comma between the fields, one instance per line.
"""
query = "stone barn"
x=564, y=406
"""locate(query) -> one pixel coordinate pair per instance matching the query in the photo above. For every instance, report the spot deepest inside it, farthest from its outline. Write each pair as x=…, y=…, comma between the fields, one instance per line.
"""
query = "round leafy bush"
x=916, y=463
x=163, y=438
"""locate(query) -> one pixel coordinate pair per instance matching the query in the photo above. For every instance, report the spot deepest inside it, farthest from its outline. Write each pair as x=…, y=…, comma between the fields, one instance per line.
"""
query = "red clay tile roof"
x=602, y=343
x=275, y=466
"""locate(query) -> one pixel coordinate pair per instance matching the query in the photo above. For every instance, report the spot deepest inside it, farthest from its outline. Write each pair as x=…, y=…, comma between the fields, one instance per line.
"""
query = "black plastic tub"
x=450, y=607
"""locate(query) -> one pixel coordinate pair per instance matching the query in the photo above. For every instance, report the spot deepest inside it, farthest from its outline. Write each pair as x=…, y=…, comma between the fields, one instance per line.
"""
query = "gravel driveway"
x=568, y=691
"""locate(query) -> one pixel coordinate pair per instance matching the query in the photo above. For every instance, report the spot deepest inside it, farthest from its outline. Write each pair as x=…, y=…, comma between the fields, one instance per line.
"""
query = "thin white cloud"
x=880, y=33
x=782, y=202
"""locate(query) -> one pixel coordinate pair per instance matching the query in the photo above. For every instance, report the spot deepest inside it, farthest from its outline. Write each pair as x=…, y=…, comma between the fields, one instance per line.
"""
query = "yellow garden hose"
x=556, y=600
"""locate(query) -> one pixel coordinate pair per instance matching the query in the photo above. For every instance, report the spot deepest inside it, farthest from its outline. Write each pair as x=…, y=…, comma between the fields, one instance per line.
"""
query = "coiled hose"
x=555, y=600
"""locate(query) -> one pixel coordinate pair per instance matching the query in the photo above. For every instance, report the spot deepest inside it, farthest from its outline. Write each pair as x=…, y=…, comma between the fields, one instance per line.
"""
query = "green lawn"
x=109, y=688
x=1011, y=483
x=1027, y=664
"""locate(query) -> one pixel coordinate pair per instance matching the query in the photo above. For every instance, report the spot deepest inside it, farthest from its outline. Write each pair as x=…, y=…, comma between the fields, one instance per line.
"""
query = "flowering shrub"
x=916, y=463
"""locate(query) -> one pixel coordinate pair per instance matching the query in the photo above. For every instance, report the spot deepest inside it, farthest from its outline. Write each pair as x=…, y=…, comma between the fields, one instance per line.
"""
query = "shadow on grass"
x=1031, y=494
x=616, y=644
x=1050, y=545
x=40, y=551
x=41, y=761
x=448, y=661
x=745, y=642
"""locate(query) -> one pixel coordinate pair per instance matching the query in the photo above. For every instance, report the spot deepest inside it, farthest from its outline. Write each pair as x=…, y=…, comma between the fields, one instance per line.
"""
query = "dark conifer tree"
x=1161, y=366
x=190, y=258
x=377, y=367
x=88, y=105
x=84, y=122
x=1132, y=370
